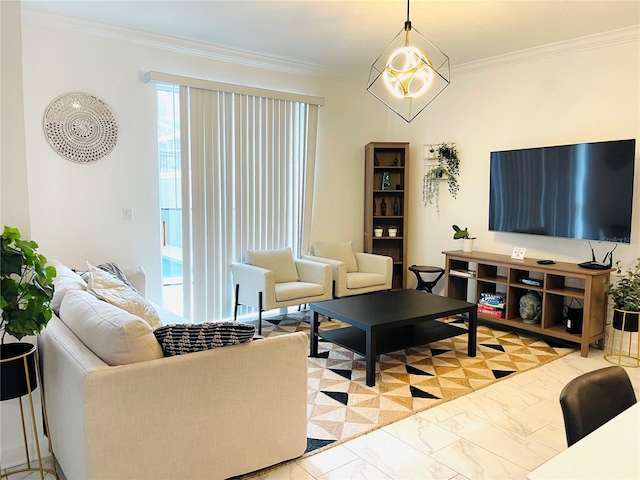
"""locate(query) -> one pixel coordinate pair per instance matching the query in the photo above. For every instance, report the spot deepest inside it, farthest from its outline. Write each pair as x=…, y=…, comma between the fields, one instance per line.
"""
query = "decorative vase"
x=12, y=369
x=386, y=181
x=383, y=207
x=396, y=207
x=377, y=232
x=467, y=244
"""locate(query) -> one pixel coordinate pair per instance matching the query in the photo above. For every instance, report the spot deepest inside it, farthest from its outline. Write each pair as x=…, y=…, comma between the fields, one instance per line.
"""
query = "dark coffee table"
x=385, y=322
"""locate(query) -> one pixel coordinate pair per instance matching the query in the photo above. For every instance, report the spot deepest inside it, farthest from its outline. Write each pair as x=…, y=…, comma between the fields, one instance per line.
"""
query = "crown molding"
x=174, y=44
x=589, y=42
x=188, y=47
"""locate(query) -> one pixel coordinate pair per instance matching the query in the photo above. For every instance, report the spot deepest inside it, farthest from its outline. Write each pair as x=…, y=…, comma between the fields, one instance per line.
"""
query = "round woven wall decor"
x=80, y=127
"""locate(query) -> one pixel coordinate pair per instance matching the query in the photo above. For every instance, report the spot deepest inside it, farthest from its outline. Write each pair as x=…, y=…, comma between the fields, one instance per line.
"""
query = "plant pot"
x=13, y=383
x=393, y=232
x=630, y=320
x=467, y=244
x=377, y=232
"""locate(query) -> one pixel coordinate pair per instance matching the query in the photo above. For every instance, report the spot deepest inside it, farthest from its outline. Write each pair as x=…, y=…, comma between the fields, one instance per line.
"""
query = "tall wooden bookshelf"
x=386, y=183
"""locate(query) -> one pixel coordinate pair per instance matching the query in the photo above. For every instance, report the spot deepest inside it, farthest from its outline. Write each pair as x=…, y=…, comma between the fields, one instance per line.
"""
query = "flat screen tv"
x=582, y=191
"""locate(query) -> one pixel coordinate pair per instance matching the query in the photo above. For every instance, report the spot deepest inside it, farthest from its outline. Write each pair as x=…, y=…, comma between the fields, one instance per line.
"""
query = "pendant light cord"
x=407, y=24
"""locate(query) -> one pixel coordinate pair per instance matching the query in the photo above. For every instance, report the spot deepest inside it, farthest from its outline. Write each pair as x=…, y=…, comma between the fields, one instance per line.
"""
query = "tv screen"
x=582, y=191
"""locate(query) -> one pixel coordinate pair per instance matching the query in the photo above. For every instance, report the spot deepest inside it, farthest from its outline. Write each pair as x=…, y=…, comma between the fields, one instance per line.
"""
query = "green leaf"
x=26, y=285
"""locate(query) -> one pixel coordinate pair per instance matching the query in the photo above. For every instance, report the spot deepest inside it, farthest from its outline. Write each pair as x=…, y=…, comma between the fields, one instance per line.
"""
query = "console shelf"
x=560, y=282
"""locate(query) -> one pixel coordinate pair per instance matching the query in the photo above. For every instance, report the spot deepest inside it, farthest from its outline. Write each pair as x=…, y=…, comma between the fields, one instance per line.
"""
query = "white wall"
x=14, y=196
x=563, y=96
x=585, y=95
x=77, y=209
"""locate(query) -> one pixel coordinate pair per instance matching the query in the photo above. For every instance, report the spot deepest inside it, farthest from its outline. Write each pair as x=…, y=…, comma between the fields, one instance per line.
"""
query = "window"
x=168, y=107
x=236, y=175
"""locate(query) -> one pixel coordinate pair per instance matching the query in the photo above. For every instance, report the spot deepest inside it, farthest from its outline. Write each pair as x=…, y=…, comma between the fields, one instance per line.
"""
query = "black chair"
x=594, y=398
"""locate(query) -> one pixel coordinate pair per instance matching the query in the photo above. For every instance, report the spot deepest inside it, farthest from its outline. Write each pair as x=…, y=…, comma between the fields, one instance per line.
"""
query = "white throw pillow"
x=113, y=335
x=110, y=289
x=64, y=281
x=279, y=262
x=342, y=252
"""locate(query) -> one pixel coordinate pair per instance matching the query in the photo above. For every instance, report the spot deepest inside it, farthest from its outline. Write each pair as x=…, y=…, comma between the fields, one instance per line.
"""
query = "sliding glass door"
x=168, y=100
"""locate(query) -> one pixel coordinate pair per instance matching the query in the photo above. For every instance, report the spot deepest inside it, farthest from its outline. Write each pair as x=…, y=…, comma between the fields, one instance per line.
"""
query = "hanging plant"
x=448, y=169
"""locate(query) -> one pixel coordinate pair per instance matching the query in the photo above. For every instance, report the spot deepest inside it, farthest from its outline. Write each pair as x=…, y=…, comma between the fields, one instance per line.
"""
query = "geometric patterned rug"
x=341, y=406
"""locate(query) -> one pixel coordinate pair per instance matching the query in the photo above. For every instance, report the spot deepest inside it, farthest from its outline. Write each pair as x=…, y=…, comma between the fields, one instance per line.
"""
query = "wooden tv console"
x=495, y=273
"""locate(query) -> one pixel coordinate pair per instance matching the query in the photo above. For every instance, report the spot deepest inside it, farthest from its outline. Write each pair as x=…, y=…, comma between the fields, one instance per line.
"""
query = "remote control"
x=546, y=262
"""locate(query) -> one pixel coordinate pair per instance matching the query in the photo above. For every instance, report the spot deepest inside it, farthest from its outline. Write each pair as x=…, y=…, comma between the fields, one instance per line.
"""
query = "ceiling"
x=347, y=36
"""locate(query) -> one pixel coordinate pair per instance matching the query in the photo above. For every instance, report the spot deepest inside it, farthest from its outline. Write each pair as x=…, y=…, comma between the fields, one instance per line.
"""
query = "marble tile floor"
x=500, y=432
x=46, y=462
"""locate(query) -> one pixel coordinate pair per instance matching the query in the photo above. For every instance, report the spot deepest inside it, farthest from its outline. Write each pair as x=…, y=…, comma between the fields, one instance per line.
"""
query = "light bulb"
x=409, y=73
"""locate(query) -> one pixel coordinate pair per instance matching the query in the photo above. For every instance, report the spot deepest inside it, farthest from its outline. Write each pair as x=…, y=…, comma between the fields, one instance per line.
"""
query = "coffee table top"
x=395, y=308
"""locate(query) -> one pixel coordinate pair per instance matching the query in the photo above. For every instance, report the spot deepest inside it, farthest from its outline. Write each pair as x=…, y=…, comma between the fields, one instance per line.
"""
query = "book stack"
x=492, y=304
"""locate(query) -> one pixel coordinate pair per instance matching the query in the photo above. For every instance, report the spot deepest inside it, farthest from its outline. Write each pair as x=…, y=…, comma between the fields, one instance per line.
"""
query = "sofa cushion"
x=64, y=281
x=279, y=262
x=342, y=252
x=112, y=334
x=288, y=291
x=179, y=339
x=110, y=289
x=363, y=280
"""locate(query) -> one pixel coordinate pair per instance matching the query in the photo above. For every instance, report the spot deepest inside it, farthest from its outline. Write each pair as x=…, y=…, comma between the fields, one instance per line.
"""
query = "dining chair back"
x=594, y=398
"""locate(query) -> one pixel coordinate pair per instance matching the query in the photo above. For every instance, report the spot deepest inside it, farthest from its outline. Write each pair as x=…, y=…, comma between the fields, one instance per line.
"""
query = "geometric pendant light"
x=410, y=73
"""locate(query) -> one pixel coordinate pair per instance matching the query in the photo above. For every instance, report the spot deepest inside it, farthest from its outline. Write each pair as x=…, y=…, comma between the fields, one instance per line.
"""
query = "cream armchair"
x=274, y=279
x=353, y=273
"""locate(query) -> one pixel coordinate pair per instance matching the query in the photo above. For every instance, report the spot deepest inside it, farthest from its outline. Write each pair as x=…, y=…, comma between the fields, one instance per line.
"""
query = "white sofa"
x=211, y=414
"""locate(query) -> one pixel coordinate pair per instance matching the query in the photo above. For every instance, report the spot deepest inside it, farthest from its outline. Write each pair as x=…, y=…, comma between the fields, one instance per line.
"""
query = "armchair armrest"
x=372, y=263
x=338, y=268
x=138, y=278
x=253, y=279
x=314, y=272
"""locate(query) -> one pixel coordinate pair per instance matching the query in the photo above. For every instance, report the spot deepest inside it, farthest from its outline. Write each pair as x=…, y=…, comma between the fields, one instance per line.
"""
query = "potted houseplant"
x=25, y=298
x=393, y=231
x=448, y=168
x=625, y=294
x=467, y=240
x=377, y=231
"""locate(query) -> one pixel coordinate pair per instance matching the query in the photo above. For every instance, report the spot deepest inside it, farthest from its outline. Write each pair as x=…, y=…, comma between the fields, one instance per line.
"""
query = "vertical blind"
x=247, y=184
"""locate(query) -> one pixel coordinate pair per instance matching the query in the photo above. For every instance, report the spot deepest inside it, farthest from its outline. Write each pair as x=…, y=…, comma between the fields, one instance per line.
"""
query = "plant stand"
x=619, y=349
x=30, y=359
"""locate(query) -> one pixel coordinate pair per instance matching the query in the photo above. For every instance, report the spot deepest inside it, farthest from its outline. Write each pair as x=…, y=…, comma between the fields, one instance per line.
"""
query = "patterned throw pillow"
x=179, y=339
x=110, y=289
x=109, y=267
x=116, y=271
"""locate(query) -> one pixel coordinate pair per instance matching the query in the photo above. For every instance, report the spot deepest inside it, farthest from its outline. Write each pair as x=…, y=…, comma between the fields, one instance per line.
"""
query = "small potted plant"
x=393, y=231
x=625, y=294
x=467, y=240
x=25, y=298
x=377, y=231
x=448, y=169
